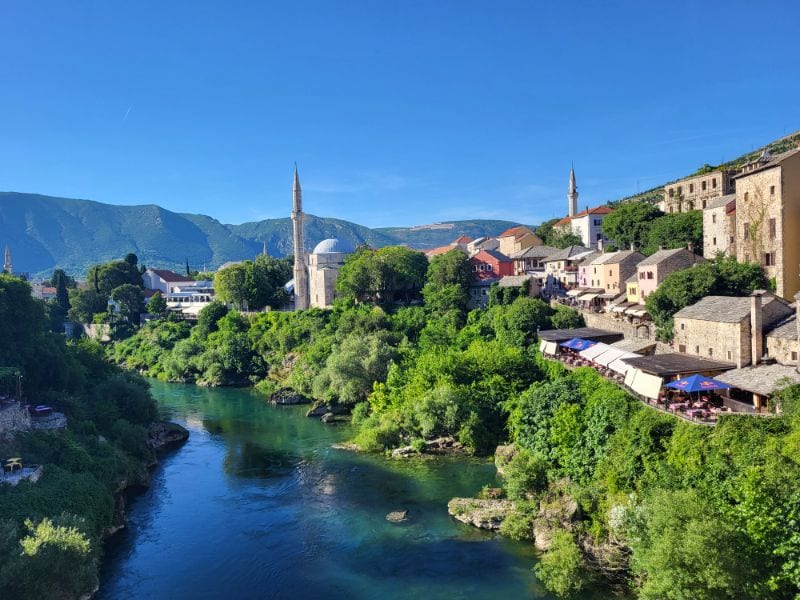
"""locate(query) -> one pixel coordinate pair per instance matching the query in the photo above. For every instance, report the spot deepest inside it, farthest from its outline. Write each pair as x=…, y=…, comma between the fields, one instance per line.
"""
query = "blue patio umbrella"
x=697, y=383
x=578, y=344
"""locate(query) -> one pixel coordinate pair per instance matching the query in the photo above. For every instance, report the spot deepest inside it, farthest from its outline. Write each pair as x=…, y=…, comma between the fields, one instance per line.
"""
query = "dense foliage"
x=720, y=277
x=557, y=238
x=254, y=284
x=51, y=531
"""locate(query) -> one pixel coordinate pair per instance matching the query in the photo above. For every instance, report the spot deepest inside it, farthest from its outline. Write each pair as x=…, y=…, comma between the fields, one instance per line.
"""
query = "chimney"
x=797, y=320
x=633, y=247
x=756, y=327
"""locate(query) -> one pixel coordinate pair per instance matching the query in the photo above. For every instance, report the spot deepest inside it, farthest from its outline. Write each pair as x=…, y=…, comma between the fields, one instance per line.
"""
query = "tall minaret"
x=572, y=195
x=300, y=271
x=7, y=266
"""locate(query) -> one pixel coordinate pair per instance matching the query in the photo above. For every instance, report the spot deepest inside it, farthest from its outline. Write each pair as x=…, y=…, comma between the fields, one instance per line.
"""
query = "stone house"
x=729, y=328
x=517, y=239
x=695, y=192
x=531, y=260
x=562, y=266
x=768, y=218
x=782, y=342
x=652, y=270
x=719, y=226
x=482, y=243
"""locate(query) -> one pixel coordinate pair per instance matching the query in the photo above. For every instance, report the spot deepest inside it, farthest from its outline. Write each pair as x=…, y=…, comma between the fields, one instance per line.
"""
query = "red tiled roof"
x=597, y=210
x=441, y=250
x=170, y=276
x=462, y=239
x=517, y=231
x=564, y=221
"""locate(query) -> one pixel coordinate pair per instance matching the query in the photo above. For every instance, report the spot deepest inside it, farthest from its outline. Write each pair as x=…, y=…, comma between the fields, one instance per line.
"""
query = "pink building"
x=653, y=269
x=584, y=270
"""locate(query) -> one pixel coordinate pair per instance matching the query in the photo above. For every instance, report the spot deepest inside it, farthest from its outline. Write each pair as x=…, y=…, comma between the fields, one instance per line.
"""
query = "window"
x=713, y=218
x=747, y=231
x=682, y=348
x=683, y=325
x=599, y=237
x=713, y=241
x=649, y=274
x=488, y=267
x=704, y=203
x=697, y=349
x=772, y=190
x=714, y=182
x=729, y=355
x=680, y=190
x=773, y=229
x=610, y=272
x=769, y=259
x=703, y=186
x=794, y=356
x=746, y=196
x=691, y=188
x=671, y=209
x=671, y=192
x=711, y=352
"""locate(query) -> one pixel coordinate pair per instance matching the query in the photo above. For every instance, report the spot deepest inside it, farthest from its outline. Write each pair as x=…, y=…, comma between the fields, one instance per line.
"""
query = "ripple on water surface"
x=258, y=505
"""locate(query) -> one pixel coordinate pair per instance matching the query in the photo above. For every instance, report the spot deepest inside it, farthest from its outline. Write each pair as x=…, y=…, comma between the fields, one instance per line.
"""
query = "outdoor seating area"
x=688, y=393
x=15, y=471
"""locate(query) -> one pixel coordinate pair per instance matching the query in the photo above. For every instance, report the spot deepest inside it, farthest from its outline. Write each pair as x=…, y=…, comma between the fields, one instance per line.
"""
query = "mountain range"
x=46, y=232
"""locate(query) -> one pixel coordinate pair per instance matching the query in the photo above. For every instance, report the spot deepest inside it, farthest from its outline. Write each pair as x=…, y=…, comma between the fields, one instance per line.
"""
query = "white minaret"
x=300, y=271
x=572, y=194
x=7, y=266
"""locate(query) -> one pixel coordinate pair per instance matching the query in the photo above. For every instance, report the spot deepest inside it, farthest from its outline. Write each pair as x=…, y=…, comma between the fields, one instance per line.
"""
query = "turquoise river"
x=258, y=505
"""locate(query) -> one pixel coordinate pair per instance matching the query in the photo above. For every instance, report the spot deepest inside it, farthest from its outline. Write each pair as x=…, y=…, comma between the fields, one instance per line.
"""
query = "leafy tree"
x=558, y=238
x=157, y=305
x=519, y=324
x=676, y=230
x=230, y=285
x=110, y=275
x=630, y=224
x=60, y=273
x=132, y=259
x=382, y=276
x=209, y=316
x=721, y=277
x=129, y=299
x=85, y=303
x=561, y=569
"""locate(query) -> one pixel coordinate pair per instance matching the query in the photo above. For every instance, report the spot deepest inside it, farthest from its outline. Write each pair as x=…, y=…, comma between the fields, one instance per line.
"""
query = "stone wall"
x=782, y=350
x=729, y=342
x=14, y=417
x=631, y=331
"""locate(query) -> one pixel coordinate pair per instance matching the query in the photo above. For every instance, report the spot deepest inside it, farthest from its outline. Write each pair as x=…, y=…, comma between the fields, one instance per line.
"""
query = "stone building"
x=610, y=271
x=768, y=218
x=531, y=260
x=719, y=226
x=323, y=270
x=517, y=239
x=729, y=328
x=562, y=266
x=694, y=193
x=653, y=269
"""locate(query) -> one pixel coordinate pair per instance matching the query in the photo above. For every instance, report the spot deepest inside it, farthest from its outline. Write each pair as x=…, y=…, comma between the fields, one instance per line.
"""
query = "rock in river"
x=482, y=513
x=397, y=516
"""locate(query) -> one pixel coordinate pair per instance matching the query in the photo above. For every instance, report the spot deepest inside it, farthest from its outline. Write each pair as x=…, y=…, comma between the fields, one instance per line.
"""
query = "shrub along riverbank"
x=51, y=531
x=666, y=508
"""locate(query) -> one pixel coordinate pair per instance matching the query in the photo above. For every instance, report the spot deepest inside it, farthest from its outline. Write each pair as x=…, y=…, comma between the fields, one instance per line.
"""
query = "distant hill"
x=46, y=232
x=439, y=234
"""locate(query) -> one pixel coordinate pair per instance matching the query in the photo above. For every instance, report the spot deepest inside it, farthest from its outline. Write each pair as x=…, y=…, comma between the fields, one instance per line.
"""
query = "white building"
x=163, y=280
x=323, y=270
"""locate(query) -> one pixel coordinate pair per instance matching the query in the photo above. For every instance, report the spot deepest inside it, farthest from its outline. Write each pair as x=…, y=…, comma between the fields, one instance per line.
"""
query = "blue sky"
x=398, y=113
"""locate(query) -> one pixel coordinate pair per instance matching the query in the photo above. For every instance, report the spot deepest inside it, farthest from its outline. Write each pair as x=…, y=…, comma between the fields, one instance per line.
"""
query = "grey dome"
x=333, y=246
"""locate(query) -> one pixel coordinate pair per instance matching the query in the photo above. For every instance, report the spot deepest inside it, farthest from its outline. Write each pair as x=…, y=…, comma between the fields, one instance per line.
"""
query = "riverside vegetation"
x=659, y=507
x=51, y=531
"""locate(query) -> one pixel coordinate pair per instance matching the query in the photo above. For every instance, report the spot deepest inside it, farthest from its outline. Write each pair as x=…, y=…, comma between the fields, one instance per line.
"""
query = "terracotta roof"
x=564, y=221
x=168, y=275
x=441, y=250
x=462, y=239
x=518, y=231
x=597, y=210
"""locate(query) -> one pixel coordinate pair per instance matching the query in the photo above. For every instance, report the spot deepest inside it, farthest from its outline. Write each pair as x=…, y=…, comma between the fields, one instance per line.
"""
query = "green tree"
x=630, y=224
x=382, y=276
x=230, y=285
x=129, y=299
x=561, y=569
x=519, y=323
x=85, y=303
x=157, y=305
x=676, y=230
x=110, y=275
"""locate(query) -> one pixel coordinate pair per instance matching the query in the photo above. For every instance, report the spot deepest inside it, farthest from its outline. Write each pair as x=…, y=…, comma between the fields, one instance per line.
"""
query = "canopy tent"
x=576, y=291
x=587, y=297
x=596, y=350
x=547, y=347
x=619, y=308
x=619, y=365
x=643, y=383
x=697, y=383
x=578, y=344
x=609, y=356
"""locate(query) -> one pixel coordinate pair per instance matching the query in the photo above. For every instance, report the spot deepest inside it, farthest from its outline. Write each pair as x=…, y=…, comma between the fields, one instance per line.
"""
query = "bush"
x=561, y=568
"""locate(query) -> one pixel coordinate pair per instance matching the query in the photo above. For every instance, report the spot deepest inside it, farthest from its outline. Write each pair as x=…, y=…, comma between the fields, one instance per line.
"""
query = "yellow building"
x=632, y=288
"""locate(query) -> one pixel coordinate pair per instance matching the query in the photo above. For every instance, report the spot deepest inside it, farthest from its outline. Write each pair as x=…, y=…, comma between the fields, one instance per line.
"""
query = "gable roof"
x=462, y=239
x=442, y=250
x=767, y=162
x=493, y=253
x=597, y=210
x=518, y=232
x=786, y=329
x=566, y=253
x=720, y=201
x=170, y=276
x=535, y=252
x=734, y=309
x=677, y=255
x=514, y=280
x=762, y=379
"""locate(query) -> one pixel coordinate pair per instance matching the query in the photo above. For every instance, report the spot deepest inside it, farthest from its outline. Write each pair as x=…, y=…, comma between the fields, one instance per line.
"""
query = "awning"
x=619, y=309
x=608, y=296
x=549, y=348
x=587, y=297
x=645, y=384
x=596, y=350
x=608, y=356
x=618, y=365
x=576, y=291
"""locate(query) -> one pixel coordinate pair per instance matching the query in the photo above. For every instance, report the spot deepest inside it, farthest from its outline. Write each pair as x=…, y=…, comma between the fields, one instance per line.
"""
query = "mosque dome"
x=334, y=246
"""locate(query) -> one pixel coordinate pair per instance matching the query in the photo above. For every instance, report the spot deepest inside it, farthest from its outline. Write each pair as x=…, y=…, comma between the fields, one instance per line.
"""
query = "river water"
x=258, y=505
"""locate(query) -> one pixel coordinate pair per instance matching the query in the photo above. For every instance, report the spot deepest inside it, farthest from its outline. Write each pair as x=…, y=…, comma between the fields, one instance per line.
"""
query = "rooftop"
x=567, y=252
x=535, y=252
x=597, y=210
x=733, y=309
x=493, y=253
x=170, y=276
x=333, y=246
x=720, y=201
x=586, y=333
x=786, y=329
x=673, y=363
x=514, y=280
x=763, y=379
x=517, y=232
x=613, y=258
x=767, y=161
x=665, y=255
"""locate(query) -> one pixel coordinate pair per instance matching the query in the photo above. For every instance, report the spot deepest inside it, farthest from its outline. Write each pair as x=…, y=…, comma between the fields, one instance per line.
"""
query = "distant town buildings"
x=652, y=270
x=694, y=193
x=719, y=226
